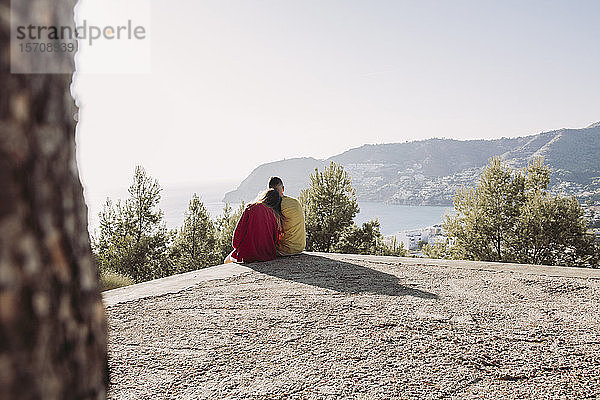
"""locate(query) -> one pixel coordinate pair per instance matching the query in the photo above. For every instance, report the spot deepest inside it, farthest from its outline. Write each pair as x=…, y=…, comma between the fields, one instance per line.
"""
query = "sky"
x=226, y=86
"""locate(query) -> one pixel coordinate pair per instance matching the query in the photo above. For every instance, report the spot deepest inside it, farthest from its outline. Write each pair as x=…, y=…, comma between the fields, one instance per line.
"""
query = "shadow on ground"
x=337, y=275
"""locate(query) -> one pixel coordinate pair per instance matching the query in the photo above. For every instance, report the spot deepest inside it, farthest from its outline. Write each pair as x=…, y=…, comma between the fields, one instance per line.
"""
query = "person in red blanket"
x=257, y=232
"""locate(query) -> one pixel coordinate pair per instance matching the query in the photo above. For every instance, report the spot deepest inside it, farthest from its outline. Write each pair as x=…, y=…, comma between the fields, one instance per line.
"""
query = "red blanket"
x=256, y=235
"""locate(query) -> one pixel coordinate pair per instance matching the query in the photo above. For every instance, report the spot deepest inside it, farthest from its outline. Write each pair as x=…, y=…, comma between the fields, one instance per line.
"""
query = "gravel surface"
x=343, y=327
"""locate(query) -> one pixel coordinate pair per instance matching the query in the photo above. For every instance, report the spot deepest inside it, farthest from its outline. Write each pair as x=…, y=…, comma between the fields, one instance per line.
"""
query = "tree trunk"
x=52, y=323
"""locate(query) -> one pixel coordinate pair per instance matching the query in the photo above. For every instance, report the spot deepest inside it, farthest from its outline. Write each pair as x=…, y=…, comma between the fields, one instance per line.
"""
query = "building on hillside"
x=414, y=239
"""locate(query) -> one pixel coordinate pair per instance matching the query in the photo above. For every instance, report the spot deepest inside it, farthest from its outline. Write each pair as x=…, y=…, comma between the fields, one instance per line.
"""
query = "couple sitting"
x=273, y=225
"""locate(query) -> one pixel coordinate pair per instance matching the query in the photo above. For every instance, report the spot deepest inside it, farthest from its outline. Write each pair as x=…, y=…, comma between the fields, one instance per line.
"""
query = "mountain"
x=428, y=172
x=294, y=172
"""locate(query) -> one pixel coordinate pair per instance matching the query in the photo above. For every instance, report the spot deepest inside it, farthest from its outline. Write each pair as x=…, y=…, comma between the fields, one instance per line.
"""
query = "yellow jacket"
x=293, y=239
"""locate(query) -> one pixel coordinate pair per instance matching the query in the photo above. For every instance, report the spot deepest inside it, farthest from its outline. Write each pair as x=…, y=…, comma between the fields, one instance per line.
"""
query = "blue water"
x=392, y=218
x=174, y=202
x=395, y=218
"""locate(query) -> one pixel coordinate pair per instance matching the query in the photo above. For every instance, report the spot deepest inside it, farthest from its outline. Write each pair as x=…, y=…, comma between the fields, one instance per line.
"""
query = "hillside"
x=428, y=172
x=295, y=173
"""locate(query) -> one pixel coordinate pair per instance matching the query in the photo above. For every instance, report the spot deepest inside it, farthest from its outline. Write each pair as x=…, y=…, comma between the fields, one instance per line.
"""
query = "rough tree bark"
x=52, y=323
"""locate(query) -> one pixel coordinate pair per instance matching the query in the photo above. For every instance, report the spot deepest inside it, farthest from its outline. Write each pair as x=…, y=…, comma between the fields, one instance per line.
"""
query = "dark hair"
x=274, y=182
x=272, y=199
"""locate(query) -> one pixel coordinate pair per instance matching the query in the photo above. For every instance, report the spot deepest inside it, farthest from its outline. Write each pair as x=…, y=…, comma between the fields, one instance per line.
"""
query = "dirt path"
x=331, y=327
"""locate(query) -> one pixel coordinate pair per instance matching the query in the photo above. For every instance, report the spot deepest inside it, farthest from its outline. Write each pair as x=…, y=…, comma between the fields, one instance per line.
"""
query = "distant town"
x=413, y=240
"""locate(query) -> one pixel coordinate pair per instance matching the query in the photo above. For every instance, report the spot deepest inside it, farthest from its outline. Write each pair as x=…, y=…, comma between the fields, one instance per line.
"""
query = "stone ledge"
x=177, y=283
x=527, y=269
x=171, y=284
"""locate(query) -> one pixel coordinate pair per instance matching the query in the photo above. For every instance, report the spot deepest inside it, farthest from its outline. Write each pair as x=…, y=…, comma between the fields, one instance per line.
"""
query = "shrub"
x=113, y=280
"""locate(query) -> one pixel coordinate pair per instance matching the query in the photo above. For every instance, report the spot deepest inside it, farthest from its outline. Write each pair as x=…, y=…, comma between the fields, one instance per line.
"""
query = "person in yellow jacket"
x=293, y=239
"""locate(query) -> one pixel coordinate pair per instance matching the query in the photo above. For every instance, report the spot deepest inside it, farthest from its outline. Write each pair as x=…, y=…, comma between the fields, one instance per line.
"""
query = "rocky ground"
x=350, y=327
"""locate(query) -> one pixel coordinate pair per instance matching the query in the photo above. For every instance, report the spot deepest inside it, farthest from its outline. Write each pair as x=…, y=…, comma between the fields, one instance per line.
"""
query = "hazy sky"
x=234, y=84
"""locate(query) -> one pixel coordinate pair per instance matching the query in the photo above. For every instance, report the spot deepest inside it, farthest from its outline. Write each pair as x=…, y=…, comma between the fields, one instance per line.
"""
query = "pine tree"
x=511, y=217
x=195, y=244
x=133, y=239
x=551, y=228
x=225, y=226
x=329, y=205
x=484, y=224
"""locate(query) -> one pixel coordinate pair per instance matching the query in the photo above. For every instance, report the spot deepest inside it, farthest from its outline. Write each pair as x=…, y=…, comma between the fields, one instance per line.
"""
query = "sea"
x=174, y=202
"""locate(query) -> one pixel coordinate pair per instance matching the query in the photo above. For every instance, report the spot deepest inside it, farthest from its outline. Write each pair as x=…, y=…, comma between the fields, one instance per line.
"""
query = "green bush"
x=113, y=280
x=437, y=250
x=366, y=240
